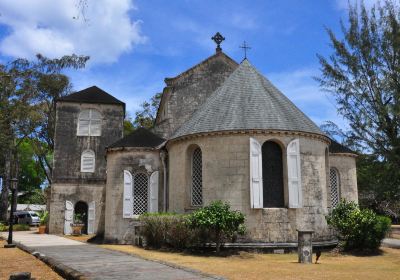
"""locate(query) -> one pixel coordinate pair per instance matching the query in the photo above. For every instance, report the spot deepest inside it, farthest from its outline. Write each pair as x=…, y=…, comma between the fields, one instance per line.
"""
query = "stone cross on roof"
x=218, y=38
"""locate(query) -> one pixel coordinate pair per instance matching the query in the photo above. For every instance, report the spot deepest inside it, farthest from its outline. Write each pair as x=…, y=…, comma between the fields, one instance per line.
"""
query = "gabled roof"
x=247, y=100
x=91, y=95
x=140, y=138
x=337, y=148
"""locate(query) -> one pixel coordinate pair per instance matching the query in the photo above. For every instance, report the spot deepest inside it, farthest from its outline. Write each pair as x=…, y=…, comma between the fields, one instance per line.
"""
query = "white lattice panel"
x=197, y=180
x=334, y=181
x=140, y=193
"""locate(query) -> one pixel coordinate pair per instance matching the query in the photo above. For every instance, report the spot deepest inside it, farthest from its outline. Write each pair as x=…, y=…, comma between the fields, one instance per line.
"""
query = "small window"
x=335, y=185
x=140, y=193
x=89, y=123
x=197, y=179
x=88, y=161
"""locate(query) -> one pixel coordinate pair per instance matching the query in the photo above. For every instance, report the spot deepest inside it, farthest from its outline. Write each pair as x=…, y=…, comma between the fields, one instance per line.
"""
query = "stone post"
x=305, y=246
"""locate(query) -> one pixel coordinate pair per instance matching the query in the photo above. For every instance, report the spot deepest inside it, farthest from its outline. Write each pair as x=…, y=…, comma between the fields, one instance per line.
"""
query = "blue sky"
x=134, y=45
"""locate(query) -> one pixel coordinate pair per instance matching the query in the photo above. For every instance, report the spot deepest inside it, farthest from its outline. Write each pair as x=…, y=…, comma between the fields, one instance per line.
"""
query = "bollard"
x=305, y=246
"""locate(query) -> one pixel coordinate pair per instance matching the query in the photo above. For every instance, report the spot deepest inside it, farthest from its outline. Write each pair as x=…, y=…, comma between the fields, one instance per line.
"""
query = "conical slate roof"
x=247, y=100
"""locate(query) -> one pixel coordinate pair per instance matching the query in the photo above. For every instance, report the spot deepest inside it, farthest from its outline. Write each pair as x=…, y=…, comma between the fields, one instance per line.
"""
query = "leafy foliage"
x=359, y=228
x=219, y=220
x=167, y=230
x=17, y=227
x=362, y=74
x=44, y=218
x=147, y=115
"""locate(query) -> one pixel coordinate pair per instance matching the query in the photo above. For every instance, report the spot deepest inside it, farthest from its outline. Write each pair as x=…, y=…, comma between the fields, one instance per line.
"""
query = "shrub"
x=44, y=218
x=17, y=227
x=219, y=220
x=167, y=230
x=358, y=228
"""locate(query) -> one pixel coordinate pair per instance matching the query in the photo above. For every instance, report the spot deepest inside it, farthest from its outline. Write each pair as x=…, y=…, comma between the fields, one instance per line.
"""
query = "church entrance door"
x=81, y=213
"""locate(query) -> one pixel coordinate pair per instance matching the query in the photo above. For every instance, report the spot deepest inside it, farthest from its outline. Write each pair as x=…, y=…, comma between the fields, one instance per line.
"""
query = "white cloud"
x=300, y=87
x=56, y=28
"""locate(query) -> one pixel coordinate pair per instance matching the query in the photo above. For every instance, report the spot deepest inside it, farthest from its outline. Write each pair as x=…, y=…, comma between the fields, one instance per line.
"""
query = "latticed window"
x=334, y=182
x=140, y=193
x=197, y=180
x=89, y=123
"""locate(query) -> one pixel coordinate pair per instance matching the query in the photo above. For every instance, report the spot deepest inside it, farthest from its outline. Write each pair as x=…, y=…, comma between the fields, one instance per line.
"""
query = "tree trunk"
x=218, y=240
x=6, y=188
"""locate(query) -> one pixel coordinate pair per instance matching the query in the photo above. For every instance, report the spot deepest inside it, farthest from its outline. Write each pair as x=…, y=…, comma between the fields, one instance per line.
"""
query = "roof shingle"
x=140, y=138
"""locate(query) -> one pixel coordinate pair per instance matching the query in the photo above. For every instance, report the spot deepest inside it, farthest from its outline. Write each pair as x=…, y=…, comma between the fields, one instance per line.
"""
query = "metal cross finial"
x=218, y=38
x=245, y=47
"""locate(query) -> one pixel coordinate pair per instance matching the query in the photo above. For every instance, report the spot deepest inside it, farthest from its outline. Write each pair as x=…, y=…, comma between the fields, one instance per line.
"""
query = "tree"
x=219, y=220
x=363, y=75
x=147, y=115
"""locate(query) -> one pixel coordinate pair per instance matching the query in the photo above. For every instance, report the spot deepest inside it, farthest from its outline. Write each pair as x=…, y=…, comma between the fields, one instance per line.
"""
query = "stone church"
x=222, y=132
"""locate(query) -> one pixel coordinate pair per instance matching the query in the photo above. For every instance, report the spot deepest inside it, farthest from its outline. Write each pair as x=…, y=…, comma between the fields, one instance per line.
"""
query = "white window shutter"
x=68, y=217
x=83, y=127
x=256, y=184
x=88, y=161
x=127, y=207
x=294, y=174
x=95, y=128
x=91, y=217
x=154, y=192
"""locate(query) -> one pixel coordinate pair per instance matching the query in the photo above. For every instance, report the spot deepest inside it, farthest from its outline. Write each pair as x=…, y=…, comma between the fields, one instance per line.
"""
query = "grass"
x=15, y=260
x=283, y=267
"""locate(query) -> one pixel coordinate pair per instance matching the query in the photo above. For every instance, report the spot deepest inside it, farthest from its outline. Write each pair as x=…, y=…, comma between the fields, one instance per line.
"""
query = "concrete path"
x=391, y=243
x=94, y=262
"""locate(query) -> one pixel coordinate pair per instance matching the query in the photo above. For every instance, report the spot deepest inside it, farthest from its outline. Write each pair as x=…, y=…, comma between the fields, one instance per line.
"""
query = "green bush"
x=17, y=227
x=359, y=228
x=166, y=230
x=219, y=220
x=44, y=218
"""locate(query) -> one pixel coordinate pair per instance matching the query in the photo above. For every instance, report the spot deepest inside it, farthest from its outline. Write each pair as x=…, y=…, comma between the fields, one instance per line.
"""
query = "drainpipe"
x=163, y=156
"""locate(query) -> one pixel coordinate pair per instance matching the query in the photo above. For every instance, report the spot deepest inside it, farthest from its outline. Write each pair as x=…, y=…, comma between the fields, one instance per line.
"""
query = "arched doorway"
x=272, y=169
x=81, y=209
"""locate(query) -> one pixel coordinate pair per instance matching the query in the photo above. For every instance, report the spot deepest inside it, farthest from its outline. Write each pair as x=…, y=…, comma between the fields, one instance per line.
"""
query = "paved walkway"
x=94, y=262
x=391, y=242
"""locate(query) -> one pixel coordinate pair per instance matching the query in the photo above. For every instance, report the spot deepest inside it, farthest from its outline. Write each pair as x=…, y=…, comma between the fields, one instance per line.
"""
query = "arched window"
x=88, y=160
x=89, y=123
x=335, y=186
x=197, y=179
x=272, y=169
x=140, y=193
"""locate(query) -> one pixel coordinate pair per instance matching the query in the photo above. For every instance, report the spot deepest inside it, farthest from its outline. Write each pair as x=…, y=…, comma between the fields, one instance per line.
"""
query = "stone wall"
x=74, y=193
x=345, y=164
x=68, y=182
x=186, y=92
x=119, y=229
x=226, y=177
x=68, y=147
